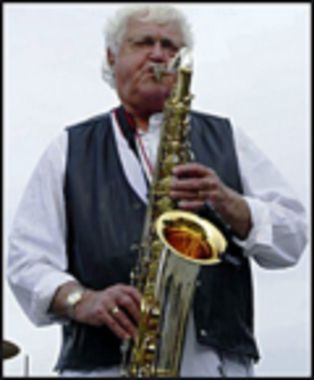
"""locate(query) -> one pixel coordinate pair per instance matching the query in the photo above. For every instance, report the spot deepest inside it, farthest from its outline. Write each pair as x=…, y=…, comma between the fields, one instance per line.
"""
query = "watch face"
x=72, y=299
x=75, y=296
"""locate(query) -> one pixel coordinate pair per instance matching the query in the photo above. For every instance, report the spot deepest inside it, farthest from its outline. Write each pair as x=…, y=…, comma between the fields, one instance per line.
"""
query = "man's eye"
x=166, y=44
x=149, y=42
x=144, y=42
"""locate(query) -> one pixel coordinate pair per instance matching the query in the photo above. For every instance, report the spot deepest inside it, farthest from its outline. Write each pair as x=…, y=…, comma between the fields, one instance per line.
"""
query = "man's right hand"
x=117, y=307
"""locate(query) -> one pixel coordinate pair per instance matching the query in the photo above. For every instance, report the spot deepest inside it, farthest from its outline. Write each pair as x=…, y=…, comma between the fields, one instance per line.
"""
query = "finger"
x=190, y=195
x=203, y=195
x=188, y=184
x=115, y=326
x=190, y=205
x=184, y=195
x=192, y=169
x=195, y=184
x=132, y=292
x=132, y=307
x=215, y=197
x=124, y=322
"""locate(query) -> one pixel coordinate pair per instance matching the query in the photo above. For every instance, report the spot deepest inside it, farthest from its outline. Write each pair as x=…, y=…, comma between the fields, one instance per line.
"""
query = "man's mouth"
x=158, y=71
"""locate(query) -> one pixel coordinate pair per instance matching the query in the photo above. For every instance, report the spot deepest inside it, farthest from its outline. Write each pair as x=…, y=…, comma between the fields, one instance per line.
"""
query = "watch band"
x=72, y=299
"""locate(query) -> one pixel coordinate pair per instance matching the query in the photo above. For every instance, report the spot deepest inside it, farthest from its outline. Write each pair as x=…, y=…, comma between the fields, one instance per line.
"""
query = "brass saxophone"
x=174, y=245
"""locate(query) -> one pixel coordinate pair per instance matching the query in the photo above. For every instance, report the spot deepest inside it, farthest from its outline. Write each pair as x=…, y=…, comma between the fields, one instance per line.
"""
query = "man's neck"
x=141, y=119
x=141, y=123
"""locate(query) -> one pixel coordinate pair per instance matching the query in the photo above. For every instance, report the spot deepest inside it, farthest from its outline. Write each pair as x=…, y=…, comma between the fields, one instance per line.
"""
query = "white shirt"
x=37, y=252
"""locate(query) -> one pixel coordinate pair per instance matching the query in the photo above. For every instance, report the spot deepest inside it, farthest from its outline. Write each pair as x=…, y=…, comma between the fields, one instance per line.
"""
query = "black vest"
x=105, y=218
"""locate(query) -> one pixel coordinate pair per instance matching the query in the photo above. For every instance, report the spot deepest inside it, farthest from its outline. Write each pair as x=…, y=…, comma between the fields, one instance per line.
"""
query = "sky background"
x=252, y=64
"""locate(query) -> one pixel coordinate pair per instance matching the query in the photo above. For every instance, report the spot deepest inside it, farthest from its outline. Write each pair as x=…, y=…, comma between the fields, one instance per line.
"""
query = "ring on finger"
x=114, y=310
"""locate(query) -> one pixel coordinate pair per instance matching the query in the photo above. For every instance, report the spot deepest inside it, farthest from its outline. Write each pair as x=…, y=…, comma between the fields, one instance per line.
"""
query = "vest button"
x=198, y=283
x=134, y=246
x=203, y=332
x=136, y=205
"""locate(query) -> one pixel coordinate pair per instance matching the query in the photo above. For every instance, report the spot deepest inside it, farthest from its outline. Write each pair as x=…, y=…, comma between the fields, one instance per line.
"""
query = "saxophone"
x=174, y=246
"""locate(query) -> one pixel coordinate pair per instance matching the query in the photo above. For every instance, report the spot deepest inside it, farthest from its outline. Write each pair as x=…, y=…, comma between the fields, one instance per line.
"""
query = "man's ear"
x=110, y=57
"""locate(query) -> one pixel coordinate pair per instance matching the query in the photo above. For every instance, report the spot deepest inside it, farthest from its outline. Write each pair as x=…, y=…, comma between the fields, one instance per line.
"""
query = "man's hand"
x=117, y=307
x=194, y=184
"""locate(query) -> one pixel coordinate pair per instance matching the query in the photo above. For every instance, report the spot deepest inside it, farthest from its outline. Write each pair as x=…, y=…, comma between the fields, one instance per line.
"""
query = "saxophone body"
x=174, y=246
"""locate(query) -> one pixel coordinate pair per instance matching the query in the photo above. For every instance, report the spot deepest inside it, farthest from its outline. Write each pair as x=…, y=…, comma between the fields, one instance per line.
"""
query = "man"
x=83, y=210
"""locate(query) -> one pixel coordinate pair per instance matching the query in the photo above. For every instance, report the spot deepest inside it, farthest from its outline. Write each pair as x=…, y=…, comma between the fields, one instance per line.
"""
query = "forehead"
x=137, y=27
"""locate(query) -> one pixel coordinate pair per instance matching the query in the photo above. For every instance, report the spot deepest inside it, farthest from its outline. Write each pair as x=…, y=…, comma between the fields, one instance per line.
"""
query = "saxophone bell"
x=190, y=237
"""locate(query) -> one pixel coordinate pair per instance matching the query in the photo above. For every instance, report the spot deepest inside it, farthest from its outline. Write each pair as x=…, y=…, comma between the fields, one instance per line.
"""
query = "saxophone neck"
x=182, y=62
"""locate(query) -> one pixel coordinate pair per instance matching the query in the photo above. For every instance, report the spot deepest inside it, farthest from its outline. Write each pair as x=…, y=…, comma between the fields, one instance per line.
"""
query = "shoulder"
x=102, y=120
x=210, y=119
x=210, y=123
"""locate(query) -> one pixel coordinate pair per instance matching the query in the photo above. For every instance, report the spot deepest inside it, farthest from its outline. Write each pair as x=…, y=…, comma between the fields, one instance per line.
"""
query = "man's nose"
x=158, y=53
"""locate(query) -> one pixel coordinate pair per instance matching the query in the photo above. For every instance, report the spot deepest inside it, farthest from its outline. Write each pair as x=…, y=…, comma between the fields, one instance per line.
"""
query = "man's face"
x=143, y=44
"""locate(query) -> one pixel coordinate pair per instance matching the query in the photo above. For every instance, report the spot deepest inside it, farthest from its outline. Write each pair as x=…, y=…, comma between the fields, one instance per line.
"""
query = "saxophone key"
x=156, y=247
x=164, y=185
x=170, y=160
x=165, y=204
x=173, y=146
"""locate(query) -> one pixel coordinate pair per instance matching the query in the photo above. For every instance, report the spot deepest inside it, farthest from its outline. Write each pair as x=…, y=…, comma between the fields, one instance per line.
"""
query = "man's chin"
x=150, y=98
x=154, y=104
x=156, y=97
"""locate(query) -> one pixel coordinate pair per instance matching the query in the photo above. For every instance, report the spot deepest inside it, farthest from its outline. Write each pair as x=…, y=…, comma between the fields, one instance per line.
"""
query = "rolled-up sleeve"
x=279, y=231
x=37, y=261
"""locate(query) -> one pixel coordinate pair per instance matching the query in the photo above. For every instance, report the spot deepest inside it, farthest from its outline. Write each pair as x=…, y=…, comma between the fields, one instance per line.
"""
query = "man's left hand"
x=194, y=184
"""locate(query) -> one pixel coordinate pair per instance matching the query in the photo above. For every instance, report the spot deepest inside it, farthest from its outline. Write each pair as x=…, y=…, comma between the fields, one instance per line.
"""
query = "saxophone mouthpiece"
x=159, y=69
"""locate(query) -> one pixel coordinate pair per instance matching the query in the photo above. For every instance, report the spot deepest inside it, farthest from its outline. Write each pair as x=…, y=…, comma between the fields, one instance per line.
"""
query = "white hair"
x=116, y=28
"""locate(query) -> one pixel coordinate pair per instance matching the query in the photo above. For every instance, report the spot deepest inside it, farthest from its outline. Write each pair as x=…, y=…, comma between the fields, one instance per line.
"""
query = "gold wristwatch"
x=72, y=299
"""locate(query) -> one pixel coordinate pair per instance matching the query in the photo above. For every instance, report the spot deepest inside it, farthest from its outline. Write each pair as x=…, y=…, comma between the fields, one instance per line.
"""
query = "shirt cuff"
x=45, y=291
x=261, y=231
